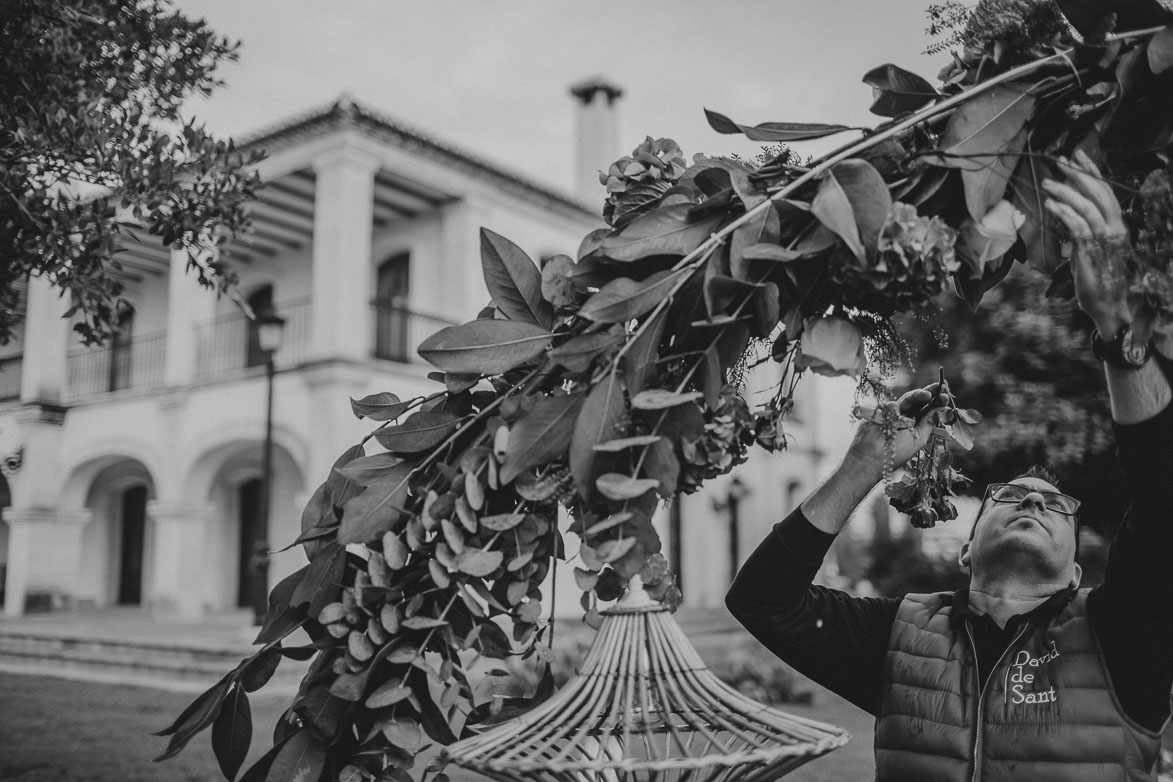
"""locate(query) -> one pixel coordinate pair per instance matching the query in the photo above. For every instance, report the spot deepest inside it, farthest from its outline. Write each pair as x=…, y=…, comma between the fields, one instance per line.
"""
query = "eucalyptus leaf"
x=388, y=693
x=514, y=281
x=658, y=399
x=614, y=520
x=487, y=347
x=479, y=562
x=622, y=444
x=500, y=522
x=619, y=487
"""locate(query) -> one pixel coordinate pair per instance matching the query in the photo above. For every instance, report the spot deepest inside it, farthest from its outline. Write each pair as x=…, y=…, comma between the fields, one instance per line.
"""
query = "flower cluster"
x=913, y=260
x=727, y=434
x=636, y=182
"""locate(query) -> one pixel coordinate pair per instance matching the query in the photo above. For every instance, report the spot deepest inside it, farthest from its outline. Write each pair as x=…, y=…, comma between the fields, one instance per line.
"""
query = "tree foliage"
x=607, y=383
x=93, y=149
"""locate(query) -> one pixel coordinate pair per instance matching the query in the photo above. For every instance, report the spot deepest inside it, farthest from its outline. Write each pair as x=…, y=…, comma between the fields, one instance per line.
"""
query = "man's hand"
x=830, y=505
x=910, y=418
x=1086, y=204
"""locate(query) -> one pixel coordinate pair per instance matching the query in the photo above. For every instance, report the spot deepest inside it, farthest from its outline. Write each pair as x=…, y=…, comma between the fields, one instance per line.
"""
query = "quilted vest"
x=1048, y=712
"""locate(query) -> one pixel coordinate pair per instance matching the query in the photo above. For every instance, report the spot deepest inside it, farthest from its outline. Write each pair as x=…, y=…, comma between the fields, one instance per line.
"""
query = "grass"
x=58, y=729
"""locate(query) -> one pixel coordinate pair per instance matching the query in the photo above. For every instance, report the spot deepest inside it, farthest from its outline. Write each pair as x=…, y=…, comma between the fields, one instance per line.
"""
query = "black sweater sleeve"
x=837, y=640
x=1132, y=611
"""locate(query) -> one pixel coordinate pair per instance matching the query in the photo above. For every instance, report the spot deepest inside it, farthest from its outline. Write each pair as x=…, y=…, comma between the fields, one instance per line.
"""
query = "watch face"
x=1133, y=353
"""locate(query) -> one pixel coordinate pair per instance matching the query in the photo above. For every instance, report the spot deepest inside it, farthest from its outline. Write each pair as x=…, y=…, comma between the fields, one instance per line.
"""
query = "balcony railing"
x=399, y=331
x=134, y=363
x=10, y=371
x=228, y=344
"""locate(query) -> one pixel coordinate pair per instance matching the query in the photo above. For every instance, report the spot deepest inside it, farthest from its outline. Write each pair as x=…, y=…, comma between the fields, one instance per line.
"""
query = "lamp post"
x=269, y=332
x=734, y=494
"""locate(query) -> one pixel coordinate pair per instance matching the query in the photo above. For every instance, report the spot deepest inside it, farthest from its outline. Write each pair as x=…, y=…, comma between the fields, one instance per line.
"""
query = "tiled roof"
x=346, y=112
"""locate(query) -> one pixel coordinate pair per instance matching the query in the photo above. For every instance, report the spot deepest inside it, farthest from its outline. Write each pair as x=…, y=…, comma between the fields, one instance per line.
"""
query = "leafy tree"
x=93, y=147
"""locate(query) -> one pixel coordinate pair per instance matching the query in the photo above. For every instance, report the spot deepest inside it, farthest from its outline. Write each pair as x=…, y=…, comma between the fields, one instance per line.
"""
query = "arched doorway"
x=132, y=544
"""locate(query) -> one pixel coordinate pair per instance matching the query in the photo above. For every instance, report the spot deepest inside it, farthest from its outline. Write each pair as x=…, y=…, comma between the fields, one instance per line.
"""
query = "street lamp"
x=269, y=327
x=735, y=492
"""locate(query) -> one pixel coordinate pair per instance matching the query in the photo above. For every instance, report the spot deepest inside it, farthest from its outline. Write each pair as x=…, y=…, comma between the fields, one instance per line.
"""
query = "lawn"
x=59, y=729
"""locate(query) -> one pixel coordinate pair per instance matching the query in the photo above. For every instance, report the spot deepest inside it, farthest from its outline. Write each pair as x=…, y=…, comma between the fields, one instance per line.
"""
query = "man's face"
x=1024, y=533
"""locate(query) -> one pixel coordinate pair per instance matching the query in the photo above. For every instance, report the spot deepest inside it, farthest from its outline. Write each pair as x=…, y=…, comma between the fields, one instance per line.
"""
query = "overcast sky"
x=492, y=77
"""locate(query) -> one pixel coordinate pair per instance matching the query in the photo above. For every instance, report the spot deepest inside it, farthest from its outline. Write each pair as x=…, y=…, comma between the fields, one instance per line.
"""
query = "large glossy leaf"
x=623, y=299
x=664, y=231
x=853, y=202
x=301, y=759
x=486, y=347
x=232, y=732
x=577, y=353
x=421, y=431
x=383, y=406
x=1160, y=51
x=322, y=581
x=541, y=435
x=363, y=471
x=597, y=423
x=376, y=510
x=897, y=91
x=983, y=139
x=514, y=281
x=1028, y=196
x=639, y=363
x=197, y=716
x=773, y=132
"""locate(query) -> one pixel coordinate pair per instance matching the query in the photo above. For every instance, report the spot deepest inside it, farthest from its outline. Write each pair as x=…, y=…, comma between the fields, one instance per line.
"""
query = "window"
x=392, y=317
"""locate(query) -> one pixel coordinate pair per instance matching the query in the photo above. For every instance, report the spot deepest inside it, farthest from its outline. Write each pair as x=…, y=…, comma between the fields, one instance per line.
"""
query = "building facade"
x=132, y=472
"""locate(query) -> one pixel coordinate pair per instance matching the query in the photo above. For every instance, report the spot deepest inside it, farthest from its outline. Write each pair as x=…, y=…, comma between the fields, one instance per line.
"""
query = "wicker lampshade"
x=643, y=706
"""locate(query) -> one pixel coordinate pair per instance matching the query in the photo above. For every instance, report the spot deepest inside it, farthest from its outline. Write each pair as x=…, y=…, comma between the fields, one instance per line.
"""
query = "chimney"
x=596, y=135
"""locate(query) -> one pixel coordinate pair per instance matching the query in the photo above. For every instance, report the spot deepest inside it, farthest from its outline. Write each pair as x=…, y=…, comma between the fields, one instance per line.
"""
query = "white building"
x=133, y=470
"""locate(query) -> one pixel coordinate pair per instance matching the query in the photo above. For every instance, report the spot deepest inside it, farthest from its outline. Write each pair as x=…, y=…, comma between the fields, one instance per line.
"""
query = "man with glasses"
x=1022, y=675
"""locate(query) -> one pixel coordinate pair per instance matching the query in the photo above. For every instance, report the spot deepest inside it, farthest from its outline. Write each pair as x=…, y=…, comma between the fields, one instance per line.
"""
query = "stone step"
x=175, y=666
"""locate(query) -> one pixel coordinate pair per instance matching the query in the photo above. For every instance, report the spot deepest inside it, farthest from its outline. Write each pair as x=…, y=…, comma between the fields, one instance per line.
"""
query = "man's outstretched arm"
x=1133, y=610
x=837, y=640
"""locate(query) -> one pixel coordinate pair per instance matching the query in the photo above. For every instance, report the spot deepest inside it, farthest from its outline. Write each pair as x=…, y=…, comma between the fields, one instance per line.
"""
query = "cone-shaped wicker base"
x=644, y=707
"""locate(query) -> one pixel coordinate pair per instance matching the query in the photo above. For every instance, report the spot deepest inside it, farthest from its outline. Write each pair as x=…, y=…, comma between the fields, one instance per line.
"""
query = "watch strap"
x=1120, y=351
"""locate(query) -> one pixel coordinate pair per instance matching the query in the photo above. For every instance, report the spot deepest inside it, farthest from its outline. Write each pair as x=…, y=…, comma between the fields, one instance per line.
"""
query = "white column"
x=44, y=553
x=178, y=569
x=342, y=272
x=47, y=336
x=188, y=305
x=460, y=283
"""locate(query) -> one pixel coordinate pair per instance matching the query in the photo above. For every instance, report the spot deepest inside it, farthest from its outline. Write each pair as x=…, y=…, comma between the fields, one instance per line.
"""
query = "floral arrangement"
x=606, y=383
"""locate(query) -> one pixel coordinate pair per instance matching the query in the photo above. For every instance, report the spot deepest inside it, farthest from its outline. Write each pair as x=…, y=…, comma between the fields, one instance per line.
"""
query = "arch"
x=90, y=459
x=224, y=478
x=119, y=540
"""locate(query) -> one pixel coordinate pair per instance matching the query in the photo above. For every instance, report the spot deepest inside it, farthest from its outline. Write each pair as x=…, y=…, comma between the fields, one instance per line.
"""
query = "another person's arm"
x=1132, y=611
x=837, y=640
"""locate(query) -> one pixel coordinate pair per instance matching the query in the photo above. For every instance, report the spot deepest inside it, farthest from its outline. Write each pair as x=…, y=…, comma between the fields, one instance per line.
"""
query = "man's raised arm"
x=837, y=640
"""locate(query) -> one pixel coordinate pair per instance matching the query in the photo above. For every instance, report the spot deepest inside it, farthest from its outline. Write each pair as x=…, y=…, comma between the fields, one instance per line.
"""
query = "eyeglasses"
x=1015, y=492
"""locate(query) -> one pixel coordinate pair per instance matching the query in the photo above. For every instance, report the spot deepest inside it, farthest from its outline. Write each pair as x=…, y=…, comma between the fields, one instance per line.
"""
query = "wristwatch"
x=1123, y=352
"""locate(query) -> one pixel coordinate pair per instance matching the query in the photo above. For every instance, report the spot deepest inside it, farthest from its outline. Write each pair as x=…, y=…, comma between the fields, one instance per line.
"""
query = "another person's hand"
x=1086, y=205
x=909, y=417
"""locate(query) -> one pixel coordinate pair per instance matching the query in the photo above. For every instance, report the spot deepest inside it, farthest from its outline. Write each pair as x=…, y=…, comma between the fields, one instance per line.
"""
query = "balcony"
x=228, y=345
x=126, y=363
x=399, y=330
x=10, y=371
